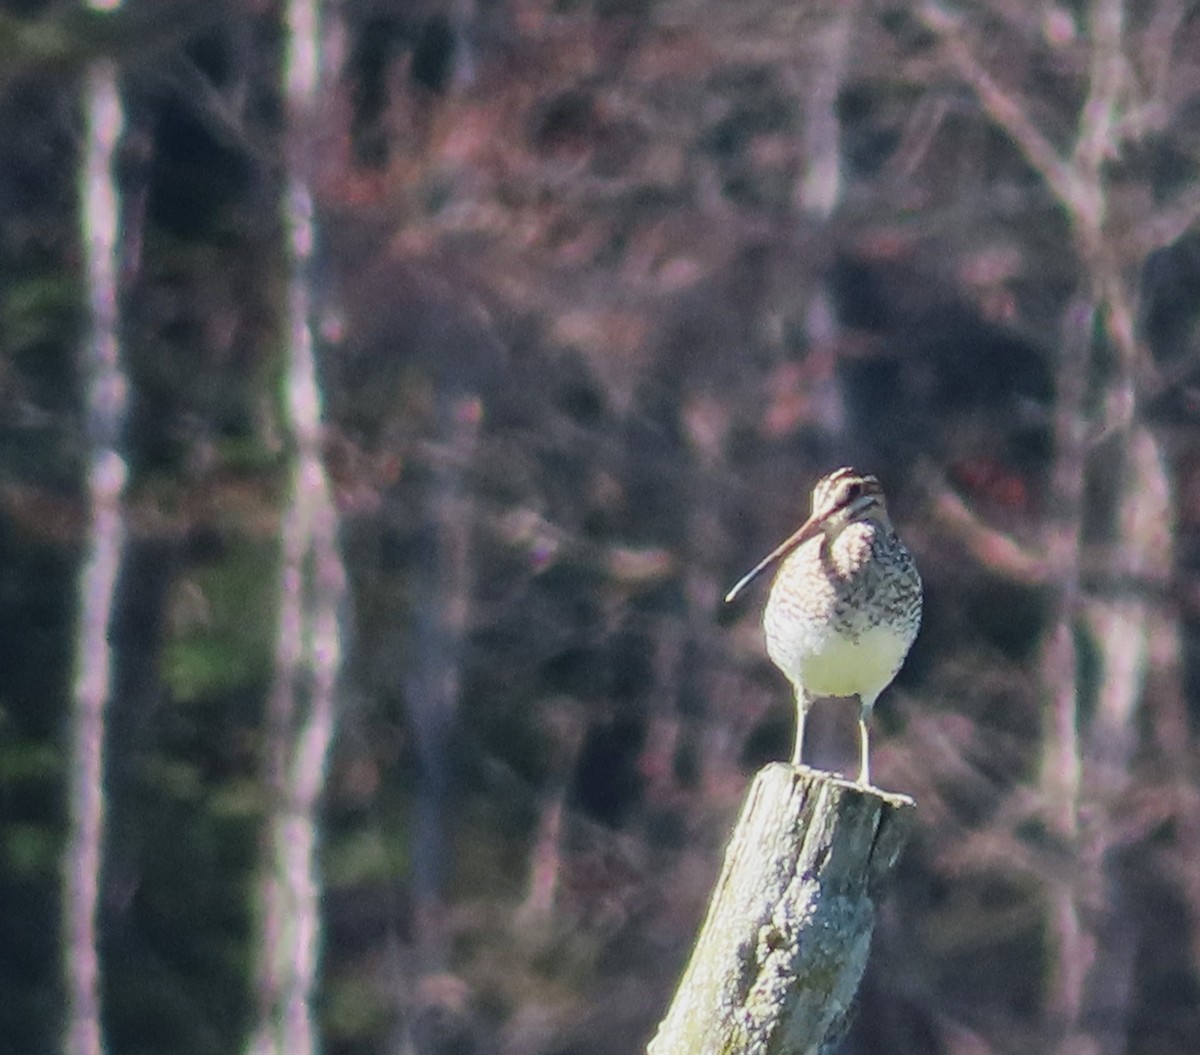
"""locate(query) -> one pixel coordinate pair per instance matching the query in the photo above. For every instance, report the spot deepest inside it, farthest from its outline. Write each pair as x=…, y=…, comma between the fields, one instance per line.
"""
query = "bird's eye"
x=853, y=491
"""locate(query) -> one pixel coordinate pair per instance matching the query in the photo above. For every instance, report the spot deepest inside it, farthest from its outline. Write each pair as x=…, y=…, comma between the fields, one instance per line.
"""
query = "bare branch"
x=992, y=548
x=1157, y=50
x=1170, y=222
x=1098, y=119
x=1002, y=107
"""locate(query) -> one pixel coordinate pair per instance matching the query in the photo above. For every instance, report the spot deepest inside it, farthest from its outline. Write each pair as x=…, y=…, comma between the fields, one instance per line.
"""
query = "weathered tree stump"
x=783, y=948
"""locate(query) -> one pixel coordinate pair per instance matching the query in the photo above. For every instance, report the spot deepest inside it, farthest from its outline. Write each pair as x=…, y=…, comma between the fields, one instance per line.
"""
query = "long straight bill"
x=806, y=531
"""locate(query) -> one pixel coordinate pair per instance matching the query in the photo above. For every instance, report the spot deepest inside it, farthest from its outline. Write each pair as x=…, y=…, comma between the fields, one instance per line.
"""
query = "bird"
x=845, y=606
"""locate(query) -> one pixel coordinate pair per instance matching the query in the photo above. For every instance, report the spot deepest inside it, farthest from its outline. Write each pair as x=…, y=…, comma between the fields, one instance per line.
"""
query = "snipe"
x=846, y=604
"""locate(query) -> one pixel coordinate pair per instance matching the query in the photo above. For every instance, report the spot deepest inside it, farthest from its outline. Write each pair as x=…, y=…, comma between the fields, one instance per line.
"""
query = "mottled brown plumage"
x=846, y=603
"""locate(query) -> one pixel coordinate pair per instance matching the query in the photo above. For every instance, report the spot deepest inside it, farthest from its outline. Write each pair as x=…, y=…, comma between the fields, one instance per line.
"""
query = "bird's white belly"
x=833, y=664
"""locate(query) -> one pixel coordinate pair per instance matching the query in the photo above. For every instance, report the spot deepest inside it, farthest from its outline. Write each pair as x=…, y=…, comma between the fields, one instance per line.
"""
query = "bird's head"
x=842, y=498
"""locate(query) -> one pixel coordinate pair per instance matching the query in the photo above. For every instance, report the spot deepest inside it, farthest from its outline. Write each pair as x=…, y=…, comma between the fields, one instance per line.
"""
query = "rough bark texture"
x=783, y=948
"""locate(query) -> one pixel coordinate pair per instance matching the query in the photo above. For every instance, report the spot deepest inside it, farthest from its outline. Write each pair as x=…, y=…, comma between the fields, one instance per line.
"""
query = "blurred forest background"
x=387, y=574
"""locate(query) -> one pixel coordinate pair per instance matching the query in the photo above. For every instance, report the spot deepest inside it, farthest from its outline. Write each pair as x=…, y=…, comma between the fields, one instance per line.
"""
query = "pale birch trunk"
x=83, y=859
x=301, y=710
x=820, y=187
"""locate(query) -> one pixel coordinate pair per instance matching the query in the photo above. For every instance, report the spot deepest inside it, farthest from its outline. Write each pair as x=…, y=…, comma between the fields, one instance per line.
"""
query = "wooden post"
x=781, y=952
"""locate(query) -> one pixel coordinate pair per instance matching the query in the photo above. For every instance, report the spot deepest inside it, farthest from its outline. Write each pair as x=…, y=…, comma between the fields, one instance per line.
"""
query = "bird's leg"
x=802, y=703
x=864, y=740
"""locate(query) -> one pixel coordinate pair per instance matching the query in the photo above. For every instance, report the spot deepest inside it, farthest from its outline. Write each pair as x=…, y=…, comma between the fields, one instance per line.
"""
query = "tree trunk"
x=783, y=948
